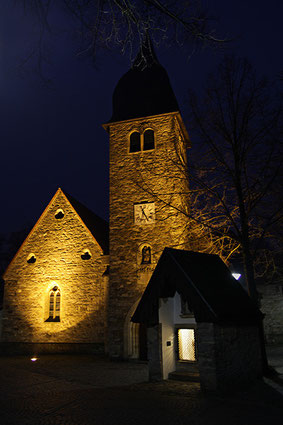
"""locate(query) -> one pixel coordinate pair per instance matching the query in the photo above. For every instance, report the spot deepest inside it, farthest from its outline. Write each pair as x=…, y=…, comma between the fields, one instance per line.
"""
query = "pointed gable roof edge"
x=91, y=219
x=98, y=227
x=205, y=282
x=30, y=232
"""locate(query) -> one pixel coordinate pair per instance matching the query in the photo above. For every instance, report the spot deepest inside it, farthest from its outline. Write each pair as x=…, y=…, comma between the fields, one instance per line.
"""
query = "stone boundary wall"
x=229, y=357
x=272, y=308
x=24, y=348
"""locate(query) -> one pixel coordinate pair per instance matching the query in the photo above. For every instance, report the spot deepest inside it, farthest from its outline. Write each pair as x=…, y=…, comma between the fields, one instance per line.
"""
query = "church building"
x=66, y=289
x=56, y=285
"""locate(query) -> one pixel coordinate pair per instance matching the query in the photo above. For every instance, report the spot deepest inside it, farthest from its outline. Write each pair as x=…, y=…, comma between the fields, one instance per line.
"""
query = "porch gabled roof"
x=204, y=281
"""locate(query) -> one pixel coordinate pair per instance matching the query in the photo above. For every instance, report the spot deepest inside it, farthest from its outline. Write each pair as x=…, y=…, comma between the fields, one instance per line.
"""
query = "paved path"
x=83, y=390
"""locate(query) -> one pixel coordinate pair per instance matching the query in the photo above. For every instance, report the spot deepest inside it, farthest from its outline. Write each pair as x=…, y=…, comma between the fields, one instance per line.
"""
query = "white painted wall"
x=177, y=311
x=169, y=315
x=166, y=317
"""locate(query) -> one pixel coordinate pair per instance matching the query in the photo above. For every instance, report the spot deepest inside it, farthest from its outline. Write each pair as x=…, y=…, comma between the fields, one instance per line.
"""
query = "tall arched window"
x=54, y=305
x=146, y=255
x=135, y=142
x=148, y=140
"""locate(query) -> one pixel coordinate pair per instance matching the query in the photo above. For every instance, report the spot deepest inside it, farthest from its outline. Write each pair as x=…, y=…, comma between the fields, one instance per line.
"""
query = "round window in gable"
x=59, y=214
x=86, y=255
x=31, y=259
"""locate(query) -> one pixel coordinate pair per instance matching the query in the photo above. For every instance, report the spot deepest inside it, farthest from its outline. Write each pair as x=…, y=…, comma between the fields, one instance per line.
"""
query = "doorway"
x=137, y=341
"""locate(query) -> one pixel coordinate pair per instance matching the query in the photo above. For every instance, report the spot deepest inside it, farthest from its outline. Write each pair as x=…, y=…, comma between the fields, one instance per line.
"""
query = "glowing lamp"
x=33, y=359
x=236, y=275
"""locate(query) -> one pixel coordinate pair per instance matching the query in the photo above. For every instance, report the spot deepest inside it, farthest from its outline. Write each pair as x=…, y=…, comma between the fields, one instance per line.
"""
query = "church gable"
x=57, y=276
x=60, y=232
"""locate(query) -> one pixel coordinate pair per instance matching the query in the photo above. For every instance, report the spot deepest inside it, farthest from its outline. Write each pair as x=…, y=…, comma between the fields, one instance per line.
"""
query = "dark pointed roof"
x=144, y=90
x=205, y=282
x=98, y=227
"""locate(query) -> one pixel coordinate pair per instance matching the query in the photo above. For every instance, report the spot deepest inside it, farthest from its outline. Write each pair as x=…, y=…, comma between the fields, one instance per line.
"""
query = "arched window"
x=54, y=305
x=135, y=142
x=148, y=140
x=146, y=255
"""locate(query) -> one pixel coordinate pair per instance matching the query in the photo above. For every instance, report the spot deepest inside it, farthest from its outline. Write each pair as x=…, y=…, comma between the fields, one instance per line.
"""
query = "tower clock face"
x=144, y=213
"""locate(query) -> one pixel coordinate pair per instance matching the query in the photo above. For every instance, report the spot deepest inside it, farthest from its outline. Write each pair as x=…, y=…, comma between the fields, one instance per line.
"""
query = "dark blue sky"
x=52, y=137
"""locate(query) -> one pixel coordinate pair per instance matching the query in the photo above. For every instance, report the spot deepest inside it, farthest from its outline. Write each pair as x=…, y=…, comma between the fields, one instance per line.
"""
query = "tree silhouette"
x=238, y=171
x=121, y=24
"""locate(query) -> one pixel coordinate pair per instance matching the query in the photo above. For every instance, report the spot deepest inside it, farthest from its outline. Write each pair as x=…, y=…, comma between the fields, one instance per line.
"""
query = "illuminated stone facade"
x=60, y=256
x=52, y=271
x=158, y=177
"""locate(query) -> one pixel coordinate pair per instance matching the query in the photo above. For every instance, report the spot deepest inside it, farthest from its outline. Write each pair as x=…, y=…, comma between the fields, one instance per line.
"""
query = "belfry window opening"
x=148, y=140
x=142, y=142
x=135, y=142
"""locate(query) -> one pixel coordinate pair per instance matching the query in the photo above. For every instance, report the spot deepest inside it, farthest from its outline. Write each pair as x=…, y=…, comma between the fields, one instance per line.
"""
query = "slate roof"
x=98, y=227
x=205, y=282
x=145, y=90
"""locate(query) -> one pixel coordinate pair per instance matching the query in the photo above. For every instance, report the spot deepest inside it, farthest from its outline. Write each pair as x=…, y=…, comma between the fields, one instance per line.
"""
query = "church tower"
x=148, y=192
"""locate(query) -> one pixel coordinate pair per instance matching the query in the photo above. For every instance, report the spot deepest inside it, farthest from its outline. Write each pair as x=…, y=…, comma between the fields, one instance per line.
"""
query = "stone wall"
x=155, y=360
x=228, y=356
x=157, y=176
x=57, y=245
x=272, y=307
x=1, y=316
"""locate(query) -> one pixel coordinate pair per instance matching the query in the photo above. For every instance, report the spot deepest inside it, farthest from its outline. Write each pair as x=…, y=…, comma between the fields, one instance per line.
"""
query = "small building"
x=56, y=285
x=197, y=313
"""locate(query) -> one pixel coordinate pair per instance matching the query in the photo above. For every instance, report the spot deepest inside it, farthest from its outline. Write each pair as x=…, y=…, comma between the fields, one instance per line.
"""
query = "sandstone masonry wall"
x=57, y=245
x=272, y=308
x=157, y=176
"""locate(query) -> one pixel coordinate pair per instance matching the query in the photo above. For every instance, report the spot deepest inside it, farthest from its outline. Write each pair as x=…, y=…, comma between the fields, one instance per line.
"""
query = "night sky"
x=52, y=136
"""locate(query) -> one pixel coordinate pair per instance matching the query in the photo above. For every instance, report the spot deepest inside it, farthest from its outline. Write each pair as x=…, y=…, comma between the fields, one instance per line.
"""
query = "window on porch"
x=186, y=344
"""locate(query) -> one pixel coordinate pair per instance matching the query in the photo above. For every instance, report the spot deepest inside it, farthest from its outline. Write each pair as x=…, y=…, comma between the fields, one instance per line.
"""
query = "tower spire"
x=144, y=90
x=146, y=56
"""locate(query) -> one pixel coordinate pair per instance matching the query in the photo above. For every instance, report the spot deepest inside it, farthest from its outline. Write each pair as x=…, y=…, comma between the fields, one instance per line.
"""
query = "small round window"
x=59, y=214
x=86, y=255
x=31, y=259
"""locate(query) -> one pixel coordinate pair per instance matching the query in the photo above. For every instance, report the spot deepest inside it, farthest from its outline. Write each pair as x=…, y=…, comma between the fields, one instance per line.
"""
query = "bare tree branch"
x=239, y=129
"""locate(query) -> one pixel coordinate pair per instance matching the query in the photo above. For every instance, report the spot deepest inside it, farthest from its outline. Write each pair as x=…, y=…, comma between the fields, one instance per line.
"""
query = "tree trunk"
x=249, y=263
x=251, y=286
